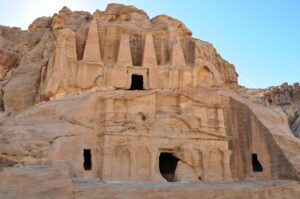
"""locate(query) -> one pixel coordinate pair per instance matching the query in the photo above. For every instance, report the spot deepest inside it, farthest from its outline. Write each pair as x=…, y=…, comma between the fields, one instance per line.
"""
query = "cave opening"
x=167, y=166
x=87, y=159
x=270, y=101
x=137, y=82
x=256, y=165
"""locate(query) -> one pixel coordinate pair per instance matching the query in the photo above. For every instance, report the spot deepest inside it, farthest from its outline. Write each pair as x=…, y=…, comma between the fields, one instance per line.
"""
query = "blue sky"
x=260, y=37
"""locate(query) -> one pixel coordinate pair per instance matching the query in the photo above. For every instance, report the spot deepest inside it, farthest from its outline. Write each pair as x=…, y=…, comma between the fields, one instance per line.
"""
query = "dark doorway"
x=256, y=166
x=137, y=82
x=87, y=162
x=167, y=166
x=270, y=101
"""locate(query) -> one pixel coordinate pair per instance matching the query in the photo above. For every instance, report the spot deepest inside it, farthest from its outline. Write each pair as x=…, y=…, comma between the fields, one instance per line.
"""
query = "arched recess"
x=121, y=165
x=215, y=168
x=205, y=77
x=143, y=163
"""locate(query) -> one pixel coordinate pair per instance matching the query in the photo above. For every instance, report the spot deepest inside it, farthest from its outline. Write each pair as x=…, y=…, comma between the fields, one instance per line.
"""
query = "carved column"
x=123, y=61
x=177, y=61
x=177, y=58
x=92, y=47
x=154, y=164
x=124, y=53
x=149, y=55
x=205, y=157
x=226, y=165
x=150, y=61
x=107, y=157
x=132, y=175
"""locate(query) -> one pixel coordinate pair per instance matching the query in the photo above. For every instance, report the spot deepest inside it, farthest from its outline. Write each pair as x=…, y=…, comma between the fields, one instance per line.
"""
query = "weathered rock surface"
x=89, y=101
x=9, y=38
x=286, y=97
x=36, y=182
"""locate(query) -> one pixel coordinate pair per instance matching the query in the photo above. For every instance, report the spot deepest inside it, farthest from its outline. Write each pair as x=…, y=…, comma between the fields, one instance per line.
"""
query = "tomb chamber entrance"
x=87, y=159
x=137, y=82
x=256, y=165
x=167, y=166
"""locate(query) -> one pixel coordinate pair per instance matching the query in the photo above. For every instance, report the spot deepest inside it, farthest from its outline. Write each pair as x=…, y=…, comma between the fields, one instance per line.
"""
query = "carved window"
x=256, y=165
x=87, y=159
x=137, y=82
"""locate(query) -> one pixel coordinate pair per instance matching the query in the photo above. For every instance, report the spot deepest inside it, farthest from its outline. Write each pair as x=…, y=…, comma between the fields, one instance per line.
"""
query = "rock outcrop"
x=286, y=97
x=92, y=102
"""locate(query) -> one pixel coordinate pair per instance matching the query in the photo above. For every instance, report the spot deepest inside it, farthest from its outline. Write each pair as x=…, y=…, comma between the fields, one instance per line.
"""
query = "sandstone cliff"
x=26, y=54
x=286, y=97
x=93, y=102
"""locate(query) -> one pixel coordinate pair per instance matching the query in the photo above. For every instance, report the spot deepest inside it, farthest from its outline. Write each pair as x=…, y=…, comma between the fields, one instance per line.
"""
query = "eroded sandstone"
x=90, y=103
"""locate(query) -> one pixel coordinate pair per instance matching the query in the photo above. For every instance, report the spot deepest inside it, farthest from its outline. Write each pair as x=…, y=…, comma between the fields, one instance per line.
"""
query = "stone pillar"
x=177, y=57
x=155, y=175
x=205, y=156
x=150, y=61
x=124, y=60
x=107, y=157
x=132, y=151
x=92, y=51
x=91, y=66
x=68, y=61
x=149, y=55
x=124, y=54
x=226, y=165
x=177, y=61
x=62, y=70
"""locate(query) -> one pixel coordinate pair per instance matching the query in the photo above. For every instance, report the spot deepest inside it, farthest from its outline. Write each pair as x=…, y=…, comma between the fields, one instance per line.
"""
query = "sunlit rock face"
x=121, y=42
x=89, y=100
x=287, y=97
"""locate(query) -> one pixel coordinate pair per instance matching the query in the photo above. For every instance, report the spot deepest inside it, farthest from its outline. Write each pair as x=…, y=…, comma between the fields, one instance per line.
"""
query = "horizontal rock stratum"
x=117, y=105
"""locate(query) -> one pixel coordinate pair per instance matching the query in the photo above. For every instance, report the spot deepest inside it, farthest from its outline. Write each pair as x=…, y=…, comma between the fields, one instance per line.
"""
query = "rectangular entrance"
x=87, y=159
x=137, y=82
x=167, y=166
